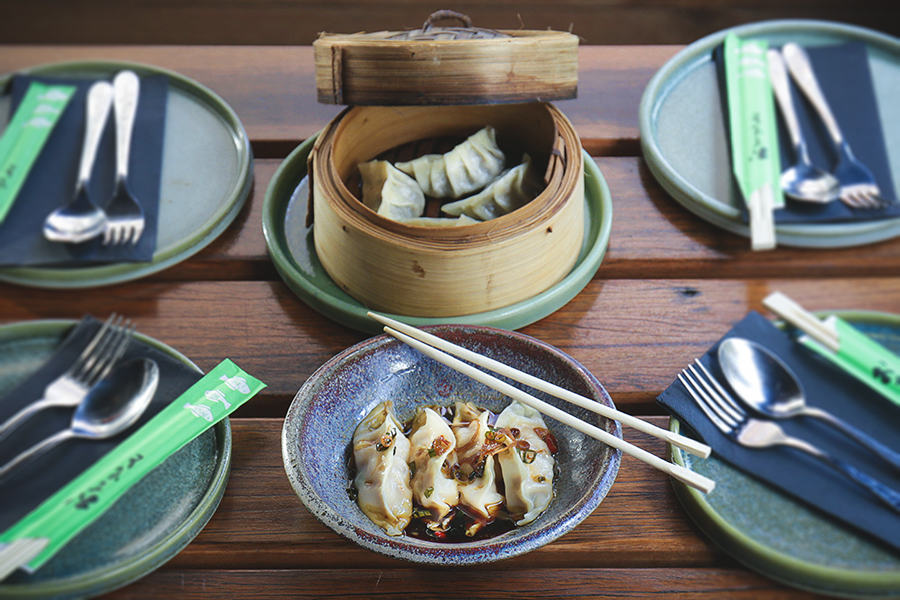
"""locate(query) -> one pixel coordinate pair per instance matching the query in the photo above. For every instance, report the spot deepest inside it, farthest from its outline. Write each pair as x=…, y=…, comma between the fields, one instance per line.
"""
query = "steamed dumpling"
x=477, y=475
x=432, y=457
x=441, y=221
x=390, y=192
x=515, y=188
x=467, y=168
x=527, y=466
x=381, y=452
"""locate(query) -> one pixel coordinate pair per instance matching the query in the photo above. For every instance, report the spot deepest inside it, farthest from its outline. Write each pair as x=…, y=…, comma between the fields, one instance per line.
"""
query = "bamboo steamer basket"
x=446, y=272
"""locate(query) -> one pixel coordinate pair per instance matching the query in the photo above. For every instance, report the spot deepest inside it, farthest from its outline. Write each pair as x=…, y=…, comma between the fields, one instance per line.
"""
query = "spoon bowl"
x=111, y=407
x=770, y=387
x=118, y=401
x=808, y=183
x=81, y=220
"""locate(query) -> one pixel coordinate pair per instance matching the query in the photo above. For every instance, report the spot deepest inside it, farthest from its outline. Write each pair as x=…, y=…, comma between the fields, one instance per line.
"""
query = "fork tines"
x=715, y=402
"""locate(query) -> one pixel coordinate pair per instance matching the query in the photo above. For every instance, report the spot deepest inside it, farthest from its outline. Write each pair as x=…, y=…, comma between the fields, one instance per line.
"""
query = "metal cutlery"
x=93, y=364
x=125, y=217
x=110, y=407
x=802, y=181
x=81, y=219
x=734, y=422
x=768, y=386
x=858, y=186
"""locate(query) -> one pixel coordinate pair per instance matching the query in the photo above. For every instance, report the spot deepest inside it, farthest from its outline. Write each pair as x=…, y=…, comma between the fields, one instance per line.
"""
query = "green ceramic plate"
x=292, y=250
x=207, y=173
x=151, y=523
x=684, y=141
x=780, y=537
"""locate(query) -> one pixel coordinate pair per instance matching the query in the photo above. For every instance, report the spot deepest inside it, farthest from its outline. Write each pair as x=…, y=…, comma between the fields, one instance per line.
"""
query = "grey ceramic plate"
x=207, y=173
x=293, y=251
x=782, y=538
x=151, y=523
x=318, y=431
x=684, y=141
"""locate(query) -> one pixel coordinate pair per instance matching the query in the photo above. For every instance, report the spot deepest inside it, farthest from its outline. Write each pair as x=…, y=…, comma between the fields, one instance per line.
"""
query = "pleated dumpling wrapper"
x=469, y=167
x=441, y=221
x=476, y=445
x=527, y=466
x=513, y=189
x=381, y=453
x=432, y=456
x=390, y=192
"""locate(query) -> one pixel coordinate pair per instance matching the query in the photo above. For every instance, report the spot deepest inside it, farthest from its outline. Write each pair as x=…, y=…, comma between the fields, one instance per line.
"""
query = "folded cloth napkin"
x=51, y=182
x=792, y=471
x=26, y=488
x=846, y=81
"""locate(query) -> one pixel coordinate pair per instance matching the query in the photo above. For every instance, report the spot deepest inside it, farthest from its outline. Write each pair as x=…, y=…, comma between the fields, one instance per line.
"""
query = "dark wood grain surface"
x=669, y=286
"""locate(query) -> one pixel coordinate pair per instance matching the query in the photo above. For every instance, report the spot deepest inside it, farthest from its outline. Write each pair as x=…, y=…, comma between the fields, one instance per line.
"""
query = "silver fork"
x=858, y=186
x=93, y=364
x=125, y=217
x=718, y=405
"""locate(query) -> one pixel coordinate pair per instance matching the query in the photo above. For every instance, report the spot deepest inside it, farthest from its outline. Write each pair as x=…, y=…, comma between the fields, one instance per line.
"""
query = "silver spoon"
x=81, y=220
x=803, y=181
x=110, y=408
x=769, y=386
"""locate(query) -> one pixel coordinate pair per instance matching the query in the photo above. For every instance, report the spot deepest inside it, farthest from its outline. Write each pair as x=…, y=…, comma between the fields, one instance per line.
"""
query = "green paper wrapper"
x=862, y=357
x=25, y=136
x=62, y=516
x=754, y=135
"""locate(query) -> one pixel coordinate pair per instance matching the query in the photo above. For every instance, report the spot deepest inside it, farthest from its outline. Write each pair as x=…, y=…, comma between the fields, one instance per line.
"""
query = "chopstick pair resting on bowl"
x=441, y=351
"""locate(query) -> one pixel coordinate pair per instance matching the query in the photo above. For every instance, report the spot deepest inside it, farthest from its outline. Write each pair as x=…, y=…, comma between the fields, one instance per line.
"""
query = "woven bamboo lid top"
x=446, y=65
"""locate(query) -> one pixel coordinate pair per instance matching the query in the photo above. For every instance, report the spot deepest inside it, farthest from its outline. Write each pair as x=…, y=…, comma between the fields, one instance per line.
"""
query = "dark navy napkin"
x=24, y=490
x=846, y=80
x=792, y=471
x=51, y=182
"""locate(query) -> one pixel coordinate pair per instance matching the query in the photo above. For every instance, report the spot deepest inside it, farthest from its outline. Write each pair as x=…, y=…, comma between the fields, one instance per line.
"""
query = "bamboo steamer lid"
x=445, y=65
x=440, y=272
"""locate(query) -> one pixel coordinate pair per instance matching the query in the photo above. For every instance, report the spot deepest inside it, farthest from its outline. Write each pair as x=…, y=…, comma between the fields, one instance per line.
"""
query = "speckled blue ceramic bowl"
x=318, y=429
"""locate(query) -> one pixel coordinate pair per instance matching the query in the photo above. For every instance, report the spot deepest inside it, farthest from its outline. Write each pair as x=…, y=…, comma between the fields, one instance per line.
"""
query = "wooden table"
x=669, y=286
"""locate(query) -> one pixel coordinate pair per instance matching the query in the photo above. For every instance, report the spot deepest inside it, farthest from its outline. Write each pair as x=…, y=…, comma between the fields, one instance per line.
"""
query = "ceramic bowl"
x=318, y=430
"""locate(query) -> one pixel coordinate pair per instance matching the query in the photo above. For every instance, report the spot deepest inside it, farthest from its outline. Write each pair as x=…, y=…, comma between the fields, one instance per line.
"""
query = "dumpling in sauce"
x=381, y=453
x=390, y=192
x=515, y=188
x=476, y=445
x=432, y=456
x=467, y=168
x=527, y=467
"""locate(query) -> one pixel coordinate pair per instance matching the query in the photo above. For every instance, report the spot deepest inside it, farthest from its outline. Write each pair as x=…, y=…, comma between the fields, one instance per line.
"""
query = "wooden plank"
x=725, y=583
x=613, y=325
x=300, y=21
x=273, y=91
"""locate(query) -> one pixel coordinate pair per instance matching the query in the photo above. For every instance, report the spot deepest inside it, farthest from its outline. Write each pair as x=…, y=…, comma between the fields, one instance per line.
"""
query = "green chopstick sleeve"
x=25, y=136
x=862, y=357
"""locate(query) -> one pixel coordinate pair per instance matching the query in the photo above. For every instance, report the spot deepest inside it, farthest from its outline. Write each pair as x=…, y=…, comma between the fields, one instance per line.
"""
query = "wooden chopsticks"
x=803, y=320
x=441, y=350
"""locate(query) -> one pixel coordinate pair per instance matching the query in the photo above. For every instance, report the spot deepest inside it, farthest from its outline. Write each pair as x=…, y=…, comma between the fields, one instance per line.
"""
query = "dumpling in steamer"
x=527, y=466
x=515, y=188
x=476, y=445
x=467, y=168
x=441, y=221
x=432, y=456
x=381, y=453
x=390, y=192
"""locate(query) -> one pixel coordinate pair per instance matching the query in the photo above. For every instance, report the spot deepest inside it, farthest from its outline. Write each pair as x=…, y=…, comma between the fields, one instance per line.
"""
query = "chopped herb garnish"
x=429, y=492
